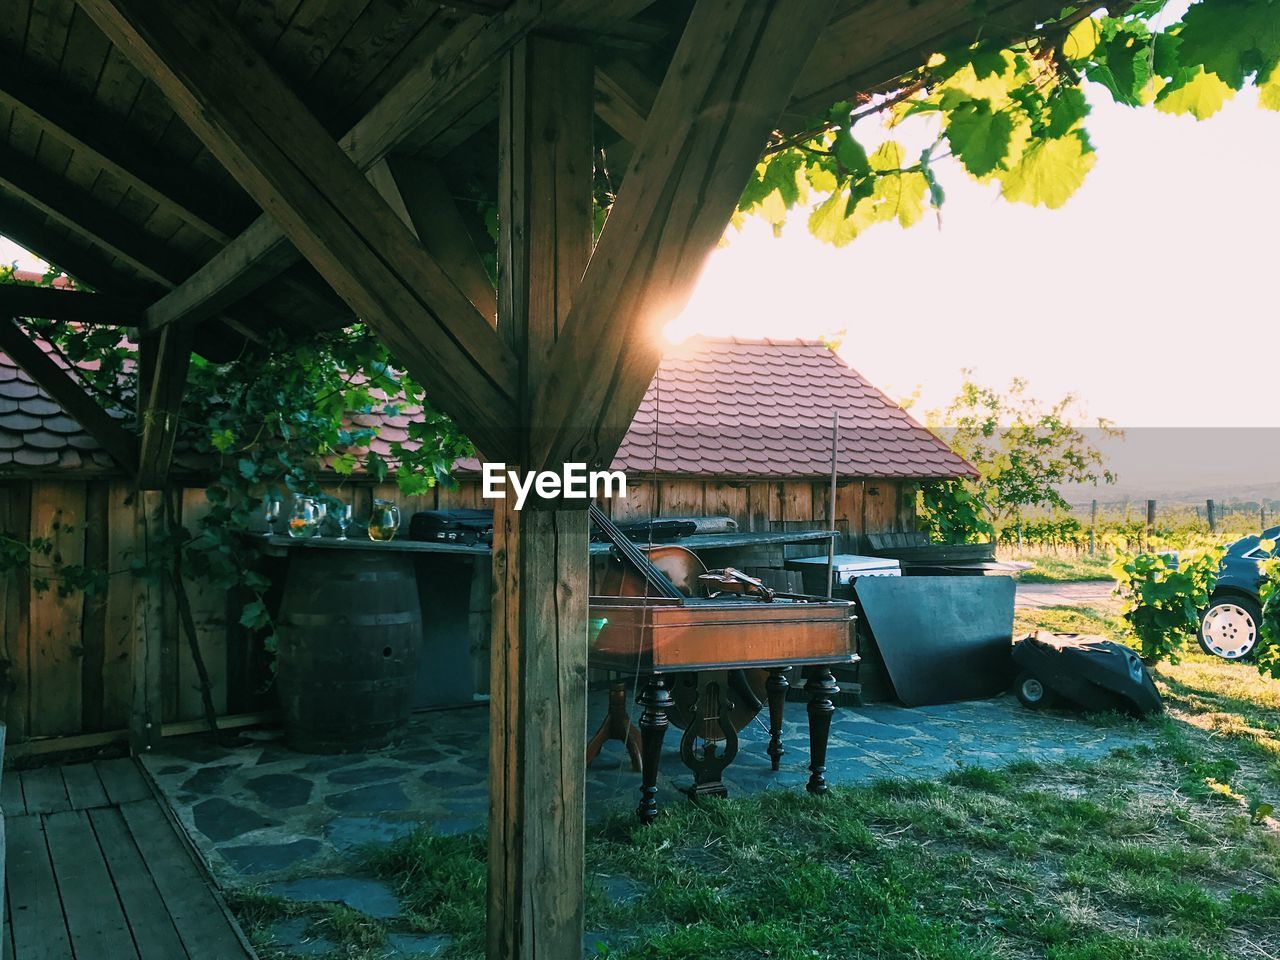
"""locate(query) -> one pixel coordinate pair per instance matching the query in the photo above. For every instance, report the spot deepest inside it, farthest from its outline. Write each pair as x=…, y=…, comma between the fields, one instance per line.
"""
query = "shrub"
x=1162, y=603
x=1268, y=655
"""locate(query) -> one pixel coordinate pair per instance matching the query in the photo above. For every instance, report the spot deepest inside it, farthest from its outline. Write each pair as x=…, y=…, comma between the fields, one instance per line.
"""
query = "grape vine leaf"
x=1049, y=172
x=1067, y=107
x=1082, y=39
x=1269, y=92
x=1232, y=38
x=1202, y=96
x=979, y=136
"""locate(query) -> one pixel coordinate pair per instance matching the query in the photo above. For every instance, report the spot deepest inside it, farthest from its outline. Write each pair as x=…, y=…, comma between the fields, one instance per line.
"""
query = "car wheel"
x=1229, y=627
x=1032, y=693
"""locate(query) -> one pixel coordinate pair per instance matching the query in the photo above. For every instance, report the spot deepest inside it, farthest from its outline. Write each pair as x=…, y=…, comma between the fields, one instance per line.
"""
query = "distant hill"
x=1188, y=466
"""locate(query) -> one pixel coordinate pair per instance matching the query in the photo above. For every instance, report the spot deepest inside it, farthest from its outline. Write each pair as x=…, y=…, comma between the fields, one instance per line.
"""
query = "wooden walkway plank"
x=144, y=908
x=35, y=912
x=84, y=788
x=123, y=780
x=44, y=790
x=11, y=794
x=94, y=916
x=202, y=923
x=7, y=948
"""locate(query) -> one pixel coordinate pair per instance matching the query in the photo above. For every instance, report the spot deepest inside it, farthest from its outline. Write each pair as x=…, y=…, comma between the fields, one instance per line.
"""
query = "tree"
x=1023, y=450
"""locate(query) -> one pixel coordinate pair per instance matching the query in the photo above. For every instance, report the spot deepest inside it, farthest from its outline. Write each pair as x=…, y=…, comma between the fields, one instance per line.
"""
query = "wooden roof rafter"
x=76, y=306
x=283, y=157
x=84, y=215
x=28, y=227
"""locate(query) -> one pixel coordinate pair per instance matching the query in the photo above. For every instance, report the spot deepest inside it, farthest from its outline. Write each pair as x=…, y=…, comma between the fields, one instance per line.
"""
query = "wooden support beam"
x=418, y=194
x=624, y=97
x=85, y=216
x=437, y=93
x=147, y=624
x=540, y=568
x=730, y=77
x=259, y=130
x=166, y=380
x=119, y=443
x=59, y=113
x=53, y=303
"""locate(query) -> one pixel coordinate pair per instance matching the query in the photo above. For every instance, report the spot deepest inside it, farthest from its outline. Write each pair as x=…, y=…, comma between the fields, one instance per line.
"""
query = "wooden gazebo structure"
x=210, y=168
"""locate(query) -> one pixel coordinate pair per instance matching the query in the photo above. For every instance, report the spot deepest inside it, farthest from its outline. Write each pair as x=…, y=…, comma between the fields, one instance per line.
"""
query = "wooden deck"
x=97, y=871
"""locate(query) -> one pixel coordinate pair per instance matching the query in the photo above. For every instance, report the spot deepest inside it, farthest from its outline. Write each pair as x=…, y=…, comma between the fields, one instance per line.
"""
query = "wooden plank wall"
x=64, y=659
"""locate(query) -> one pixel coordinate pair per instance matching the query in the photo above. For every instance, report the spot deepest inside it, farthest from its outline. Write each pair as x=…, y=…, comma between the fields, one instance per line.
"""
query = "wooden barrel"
x=350, y=632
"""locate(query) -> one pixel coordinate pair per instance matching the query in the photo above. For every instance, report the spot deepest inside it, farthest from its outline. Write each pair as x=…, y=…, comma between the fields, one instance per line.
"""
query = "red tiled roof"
x=35, y=432
x=722, y=408
x=62, y=282
x=763, y=408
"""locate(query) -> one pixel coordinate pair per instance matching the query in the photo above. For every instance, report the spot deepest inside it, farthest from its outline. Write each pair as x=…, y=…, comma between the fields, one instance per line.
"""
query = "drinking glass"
x=304, y=518
x=271, y=514
x=343, y=520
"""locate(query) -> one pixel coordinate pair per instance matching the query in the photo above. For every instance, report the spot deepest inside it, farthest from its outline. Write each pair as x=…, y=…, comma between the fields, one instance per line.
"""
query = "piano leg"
x=656, y=701
x=777, y=686
x=822, y=688
x=617, y=725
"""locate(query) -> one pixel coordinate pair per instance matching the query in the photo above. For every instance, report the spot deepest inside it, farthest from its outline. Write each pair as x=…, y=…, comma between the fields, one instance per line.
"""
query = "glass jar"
x=384, y=521
x=304, y=518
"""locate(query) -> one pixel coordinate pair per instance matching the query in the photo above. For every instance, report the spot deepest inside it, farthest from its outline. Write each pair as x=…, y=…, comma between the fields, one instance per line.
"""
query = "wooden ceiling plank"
x=47, y=33
x=427, y=39
x=419, y=195
x=314, y=32
x=85, y=56
x=264, y=21
x=283, y=157
x=372, y=42
x=119, y=443
x=730, y=78
x=78, y=306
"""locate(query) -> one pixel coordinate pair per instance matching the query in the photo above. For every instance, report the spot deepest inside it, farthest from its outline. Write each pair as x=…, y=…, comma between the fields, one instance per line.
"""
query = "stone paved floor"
x=296, y=823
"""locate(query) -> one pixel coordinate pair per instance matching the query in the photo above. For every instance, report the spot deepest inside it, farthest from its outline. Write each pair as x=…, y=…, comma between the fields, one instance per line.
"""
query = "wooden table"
x=278, y=545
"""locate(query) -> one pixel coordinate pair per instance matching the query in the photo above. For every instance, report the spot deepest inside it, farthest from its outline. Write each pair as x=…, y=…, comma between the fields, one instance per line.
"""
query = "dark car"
x=1229, y=625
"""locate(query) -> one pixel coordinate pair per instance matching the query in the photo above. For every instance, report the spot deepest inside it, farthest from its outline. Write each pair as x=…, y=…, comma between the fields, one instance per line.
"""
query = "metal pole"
x=831, y=505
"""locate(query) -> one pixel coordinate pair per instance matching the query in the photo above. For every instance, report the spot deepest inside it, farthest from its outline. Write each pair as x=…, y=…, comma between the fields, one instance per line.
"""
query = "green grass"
x=1164, y=851
x=1061, y=567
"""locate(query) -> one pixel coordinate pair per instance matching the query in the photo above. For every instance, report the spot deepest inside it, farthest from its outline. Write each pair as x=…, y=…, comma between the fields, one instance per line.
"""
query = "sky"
x=1151, y=293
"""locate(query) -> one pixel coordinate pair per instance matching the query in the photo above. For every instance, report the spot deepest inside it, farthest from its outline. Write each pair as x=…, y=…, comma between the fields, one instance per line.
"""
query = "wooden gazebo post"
x=540, y=576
